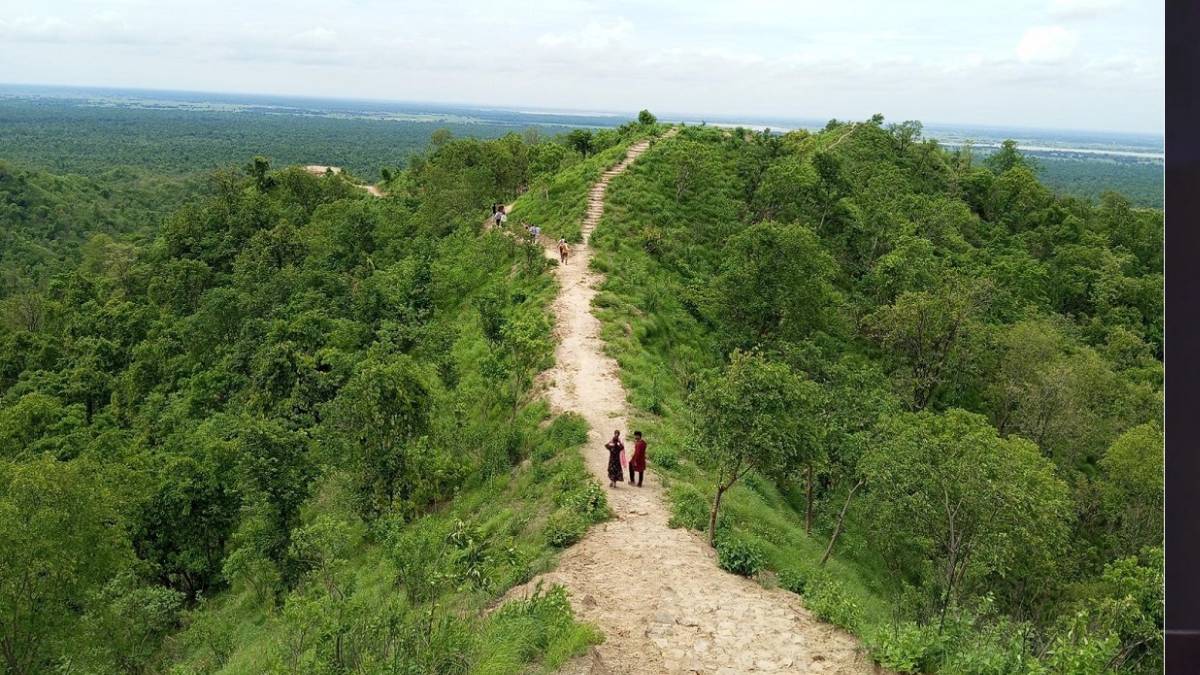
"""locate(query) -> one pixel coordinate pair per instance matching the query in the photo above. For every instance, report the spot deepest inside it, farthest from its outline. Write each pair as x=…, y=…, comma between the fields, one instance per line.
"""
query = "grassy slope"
x=558, y=204
x=659, y=344
x=236, y=633
x=517, y=526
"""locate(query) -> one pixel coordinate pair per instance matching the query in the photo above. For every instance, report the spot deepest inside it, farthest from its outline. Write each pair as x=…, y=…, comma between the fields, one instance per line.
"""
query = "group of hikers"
x=617, y=459
x=500, y=217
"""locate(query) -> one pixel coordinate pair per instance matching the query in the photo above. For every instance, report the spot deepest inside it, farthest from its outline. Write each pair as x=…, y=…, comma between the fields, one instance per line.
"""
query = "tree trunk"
x=808, y=502
x=712, y=517
x=837, y=529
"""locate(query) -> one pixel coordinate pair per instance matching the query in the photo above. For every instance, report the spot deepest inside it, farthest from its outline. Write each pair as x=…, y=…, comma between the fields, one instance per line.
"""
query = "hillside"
x=288, y=429
x=912, y=400
x=967, y=370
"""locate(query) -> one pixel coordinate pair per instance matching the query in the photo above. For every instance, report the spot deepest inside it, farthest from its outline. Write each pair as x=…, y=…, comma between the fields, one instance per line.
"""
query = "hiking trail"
x=656, y=592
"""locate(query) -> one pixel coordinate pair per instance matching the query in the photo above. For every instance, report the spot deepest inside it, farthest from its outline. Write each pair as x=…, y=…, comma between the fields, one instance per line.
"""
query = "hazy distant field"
x=92, y=130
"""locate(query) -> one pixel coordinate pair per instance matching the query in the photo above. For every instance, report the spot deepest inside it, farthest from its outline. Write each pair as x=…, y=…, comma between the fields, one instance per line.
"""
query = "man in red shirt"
x=638, y=461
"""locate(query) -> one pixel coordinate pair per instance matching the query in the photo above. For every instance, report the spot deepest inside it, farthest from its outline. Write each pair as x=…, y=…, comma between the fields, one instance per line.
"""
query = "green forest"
x=258, y=421
x=924, y=391
x=285, y=429
x=64, y=137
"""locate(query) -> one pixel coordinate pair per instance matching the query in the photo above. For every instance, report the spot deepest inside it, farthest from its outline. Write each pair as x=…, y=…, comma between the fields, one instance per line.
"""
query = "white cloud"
x=1047, y=44
x=800, y=57
x=35, y=29
x=101, y=28
x=315, y=38
x=1082, y=9
x=596, y=35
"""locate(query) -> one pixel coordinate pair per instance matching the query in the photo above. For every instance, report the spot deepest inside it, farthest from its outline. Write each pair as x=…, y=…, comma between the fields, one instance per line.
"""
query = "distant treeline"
x=65, y=137
x=62, y=135
x=1140, y=182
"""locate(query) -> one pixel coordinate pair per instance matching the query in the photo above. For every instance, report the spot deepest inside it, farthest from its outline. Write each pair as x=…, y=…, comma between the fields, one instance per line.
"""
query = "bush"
x=997, y=650
x=794, y=579
x=541, y=625
x=666, y=458
x=739, y=556
x=906, y=648
x=689, y=508
x=827, y=598
x=565, y=528
x=568, y=430
x=589, y=502
x=418, y=551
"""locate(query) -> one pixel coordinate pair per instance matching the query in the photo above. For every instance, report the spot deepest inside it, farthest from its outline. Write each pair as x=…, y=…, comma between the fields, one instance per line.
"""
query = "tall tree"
x=61, y=539
x=775, y=283
x=946, y=488
x=754, y=415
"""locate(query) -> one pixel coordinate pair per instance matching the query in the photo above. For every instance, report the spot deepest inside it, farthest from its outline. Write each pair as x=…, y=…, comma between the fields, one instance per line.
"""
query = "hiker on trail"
x=638, y=461
x=536, y=232
x=615, y=447
x=563, y=251
x=499, y=216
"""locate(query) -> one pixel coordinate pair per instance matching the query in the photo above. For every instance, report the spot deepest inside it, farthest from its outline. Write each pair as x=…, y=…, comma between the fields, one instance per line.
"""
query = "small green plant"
x=565, y=527
x=589, y=502
x=739, y=556
x=666, y=458
x=827, y=598
x=541, y=625
x=906, y=647
x=794, y=579
x=689, y=508
x=567, y=430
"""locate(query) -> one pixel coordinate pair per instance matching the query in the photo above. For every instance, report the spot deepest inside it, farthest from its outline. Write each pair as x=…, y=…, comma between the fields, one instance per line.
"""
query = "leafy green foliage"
x=947, y=489
x=738, y=556
x=829, y=600
x=907, y=647
x=232, y=435
x=756, y=415
x=58, y=547
x=1020, y=331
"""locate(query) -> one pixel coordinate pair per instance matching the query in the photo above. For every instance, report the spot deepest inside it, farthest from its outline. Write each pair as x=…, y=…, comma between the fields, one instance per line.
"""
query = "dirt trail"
x=321, y=169
x=656, y=593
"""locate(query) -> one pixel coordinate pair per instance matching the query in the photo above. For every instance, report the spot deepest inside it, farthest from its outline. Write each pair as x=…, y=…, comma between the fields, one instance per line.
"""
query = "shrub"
x=541, y=625
x=418, y=551
x=739, y=556
x=568, y=430
x=827, y=598
x=565, y=528
x=689, y=508
x=998, y=650
x=794, y=579
x=906, y=647
x=589, y=502
x=666, y=458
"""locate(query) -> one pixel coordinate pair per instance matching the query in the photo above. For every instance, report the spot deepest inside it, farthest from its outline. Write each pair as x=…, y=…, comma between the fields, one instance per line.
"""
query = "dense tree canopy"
x=987, y=358
x=183, y=389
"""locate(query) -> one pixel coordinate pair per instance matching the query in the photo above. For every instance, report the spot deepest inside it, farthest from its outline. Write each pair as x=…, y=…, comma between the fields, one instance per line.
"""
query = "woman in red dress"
x=638, y=461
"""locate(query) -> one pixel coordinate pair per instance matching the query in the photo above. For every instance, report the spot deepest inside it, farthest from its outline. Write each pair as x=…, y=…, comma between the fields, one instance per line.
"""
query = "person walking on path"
x=638, y=461
x=615, y=471
x=563, y=251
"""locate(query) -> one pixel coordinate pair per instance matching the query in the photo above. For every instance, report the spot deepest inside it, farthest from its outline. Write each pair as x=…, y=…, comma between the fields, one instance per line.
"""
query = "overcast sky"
x=1077, y=64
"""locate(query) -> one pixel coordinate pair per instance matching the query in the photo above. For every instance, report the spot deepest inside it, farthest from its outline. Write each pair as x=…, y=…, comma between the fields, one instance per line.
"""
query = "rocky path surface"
x=656, y=592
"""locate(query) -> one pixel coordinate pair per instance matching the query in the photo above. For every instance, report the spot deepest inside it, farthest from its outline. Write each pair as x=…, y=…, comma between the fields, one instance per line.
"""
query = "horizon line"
x=564, y=110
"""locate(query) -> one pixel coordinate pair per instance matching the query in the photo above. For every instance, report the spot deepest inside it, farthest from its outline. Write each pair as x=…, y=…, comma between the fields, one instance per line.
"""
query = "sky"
x=1069, y=64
